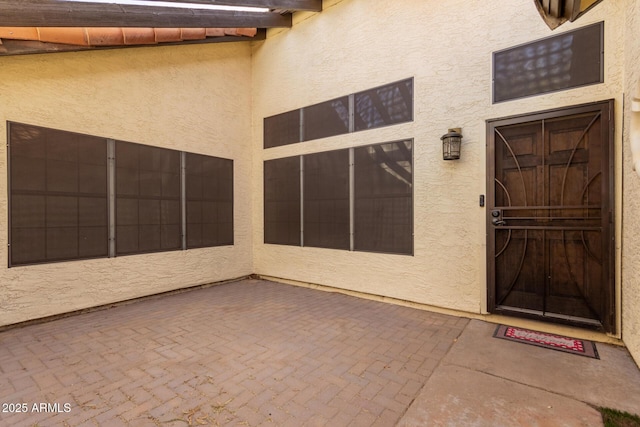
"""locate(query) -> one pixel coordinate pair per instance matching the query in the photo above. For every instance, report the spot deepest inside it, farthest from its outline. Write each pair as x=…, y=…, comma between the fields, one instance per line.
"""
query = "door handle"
x=497, y=218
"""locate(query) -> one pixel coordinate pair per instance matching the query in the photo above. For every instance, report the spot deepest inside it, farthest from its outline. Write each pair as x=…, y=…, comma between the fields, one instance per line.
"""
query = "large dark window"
x=383, y=215
x=564, y=61
x=147, y=199
x=326, y=199
x=282, y=201
x=58, y=189
x=364, y=205
x=60, y=185
x=381, y=106
x=209, y=182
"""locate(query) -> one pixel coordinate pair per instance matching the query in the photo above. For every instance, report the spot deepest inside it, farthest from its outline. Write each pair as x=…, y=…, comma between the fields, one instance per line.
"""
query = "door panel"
x=549, y=216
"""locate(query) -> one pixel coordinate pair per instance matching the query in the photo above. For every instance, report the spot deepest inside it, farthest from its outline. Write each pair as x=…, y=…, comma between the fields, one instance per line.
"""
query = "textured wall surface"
x=212, y=100
x=191, y=98
x=446, y=46
x=631, y=208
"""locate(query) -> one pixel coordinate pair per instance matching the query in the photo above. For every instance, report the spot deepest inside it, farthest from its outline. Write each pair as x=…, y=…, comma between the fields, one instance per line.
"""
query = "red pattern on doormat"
x=545, y=340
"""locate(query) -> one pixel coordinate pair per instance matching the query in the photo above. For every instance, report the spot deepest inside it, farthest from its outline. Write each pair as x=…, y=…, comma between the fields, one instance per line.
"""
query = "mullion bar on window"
x=111, y=182
x=351, y=199
x=352, y=113
x=301, y=200
x=183, y=199
x=301, y=125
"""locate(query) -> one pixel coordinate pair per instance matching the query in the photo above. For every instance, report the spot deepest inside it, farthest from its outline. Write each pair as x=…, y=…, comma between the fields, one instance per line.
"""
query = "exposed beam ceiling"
x=22, y=47
x=51, y=13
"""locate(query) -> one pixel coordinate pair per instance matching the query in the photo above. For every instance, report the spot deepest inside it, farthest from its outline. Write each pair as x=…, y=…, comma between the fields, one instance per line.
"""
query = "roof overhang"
x=38, y=26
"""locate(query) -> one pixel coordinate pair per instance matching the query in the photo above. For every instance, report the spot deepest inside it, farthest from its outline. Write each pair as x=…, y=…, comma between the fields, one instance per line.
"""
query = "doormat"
x=541, y=339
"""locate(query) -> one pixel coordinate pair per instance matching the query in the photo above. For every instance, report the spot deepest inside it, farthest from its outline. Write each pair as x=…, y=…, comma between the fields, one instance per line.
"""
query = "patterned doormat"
x=541, y=339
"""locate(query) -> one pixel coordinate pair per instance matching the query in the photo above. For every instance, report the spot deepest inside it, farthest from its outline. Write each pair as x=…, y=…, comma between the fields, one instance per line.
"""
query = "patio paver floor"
x=244, y=353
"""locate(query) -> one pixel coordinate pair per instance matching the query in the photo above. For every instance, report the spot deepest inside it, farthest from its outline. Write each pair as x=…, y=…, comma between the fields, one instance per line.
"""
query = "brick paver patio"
x=246, y=353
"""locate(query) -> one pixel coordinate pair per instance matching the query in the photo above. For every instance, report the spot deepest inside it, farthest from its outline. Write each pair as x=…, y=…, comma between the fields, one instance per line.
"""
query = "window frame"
x=598, y=25
x=271, y=141
x=140, y=198
x=203, y=199
x=352, y=191
x=299, y=200
x=412, y=200
x=46, y=194
x=110, y=197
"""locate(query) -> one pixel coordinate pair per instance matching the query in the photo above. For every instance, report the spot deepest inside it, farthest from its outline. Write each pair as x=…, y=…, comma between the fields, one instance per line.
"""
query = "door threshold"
x=582, y=322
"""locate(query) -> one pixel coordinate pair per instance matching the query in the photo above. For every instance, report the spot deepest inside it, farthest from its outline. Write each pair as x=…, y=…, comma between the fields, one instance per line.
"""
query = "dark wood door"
x=549, y=216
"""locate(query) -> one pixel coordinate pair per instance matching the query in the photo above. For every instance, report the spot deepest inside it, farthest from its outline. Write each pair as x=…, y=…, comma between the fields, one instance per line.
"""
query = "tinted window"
x=383, y=106
x=147, y=199
x=282, y=129
x=58, y=190
x=383, y=217
x=326, y=199
x=565, y=61
x=326, y=119
x=282, y=201
x=209, y=184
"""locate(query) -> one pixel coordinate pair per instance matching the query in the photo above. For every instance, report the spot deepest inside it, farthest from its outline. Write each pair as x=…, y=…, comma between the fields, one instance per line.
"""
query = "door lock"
x=497, y=218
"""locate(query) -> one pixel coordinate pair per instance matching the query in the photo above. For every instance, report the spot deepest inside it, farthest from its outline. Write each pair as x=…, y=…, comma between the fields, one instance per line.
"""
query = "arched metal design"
x=549, y=216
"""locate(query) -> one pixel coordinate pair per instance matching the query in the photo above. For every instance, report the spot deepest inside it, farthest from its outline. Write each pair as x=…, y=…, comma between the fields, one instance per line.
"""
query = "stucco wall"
x=191, y=98
x=354, y=45
x=631, y=209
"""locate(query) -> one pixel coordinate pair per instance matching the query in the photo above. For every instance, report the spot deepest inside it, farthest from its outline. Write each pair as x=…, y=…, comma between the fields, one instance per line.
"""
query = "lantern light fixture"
x=451, y=142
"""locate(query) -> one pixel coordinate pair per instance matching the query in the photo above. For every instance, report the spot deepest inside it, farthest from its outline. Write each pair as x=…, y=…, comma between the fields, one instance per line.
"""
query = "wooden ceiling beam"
x=293, y=5
x=51, y=13
x=26, y=47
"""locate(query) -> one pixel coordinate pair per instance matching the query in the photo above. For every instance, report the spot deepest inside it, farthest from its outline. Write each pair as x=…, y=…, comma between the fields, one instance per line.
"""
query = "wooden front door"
x=549, y=216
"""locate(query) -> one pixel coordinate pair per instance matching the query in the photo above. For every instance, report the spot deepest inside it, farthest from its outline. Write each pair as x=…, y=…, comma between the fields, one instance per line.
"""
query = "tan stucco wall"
x=191, y=98
x=212, y=100
x=631, y=208
x=446, y=46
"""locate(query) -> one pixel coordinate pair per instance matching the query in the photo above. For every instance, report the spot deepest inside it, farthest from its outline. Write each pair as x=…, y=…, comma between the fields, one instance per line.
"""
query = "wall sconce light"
x=451, y=144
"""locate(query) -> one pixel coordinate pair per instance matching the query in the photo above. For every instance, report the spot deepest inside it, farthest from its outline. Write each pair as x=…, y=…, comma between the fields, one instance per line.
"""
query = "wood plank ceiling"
x=36, y=26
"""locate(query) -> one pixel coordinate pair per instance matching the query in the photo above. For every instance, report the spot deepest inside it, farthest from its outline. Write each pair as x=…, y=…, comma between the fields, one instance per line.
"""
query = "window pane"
x=326, y=200
x=560, y=62
x=282, y=201
x=282, y=129
x=326, y=119
x=383, y=106
x=147, y=199
x=383, y=217
x=209, y=183
x=58, y=195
